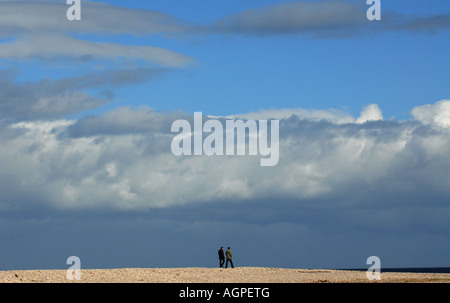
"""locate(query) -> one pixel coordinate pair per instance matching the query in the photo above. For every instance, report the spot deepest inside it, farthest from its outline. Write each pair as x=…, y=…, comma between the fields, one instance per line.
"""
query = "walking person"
x=229, y=258
x=221, y=257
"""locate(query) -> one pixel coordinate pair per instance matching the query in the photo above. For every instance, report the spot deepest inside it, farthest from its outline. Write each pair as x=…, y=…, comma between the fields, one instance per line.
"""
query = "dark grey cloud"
x=49, y=98
x=46, y=99
x=30, y=27
x=324, y=19
x=419, y=24
x=293, y=237
x=295, y=18
x=18, y=17
x=112, y=78
x=67, y=48
x=124, y=121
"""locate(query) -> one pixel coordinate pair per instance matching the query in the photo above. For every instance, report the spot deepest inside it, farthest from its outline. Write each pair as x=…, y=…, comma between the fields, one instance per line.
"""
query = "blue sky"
x=86, y=108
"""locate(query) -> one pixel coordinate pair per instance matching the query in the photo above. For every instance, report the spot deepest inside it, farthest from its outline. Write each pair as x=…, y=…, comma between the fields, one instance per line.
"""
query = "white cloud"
x=371, y=112
x=437, y=114
x=111, y=169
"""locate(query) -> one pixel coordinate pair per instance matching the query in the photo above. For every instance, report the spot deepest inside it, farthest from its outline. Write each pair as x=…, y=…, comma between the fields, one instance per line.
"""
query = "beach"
x=217, y=275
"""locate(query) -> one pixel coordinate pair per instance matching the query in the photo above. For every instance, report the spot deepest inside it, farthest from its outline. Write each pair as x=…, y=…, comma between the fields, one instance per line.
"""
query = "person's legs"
x=221, y=262
x=231, y=261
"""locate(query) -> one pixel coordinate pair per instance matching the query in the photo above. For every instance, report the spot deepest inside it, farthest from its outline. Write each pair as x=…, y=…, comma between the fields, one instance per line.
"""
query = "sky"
x=86, y=108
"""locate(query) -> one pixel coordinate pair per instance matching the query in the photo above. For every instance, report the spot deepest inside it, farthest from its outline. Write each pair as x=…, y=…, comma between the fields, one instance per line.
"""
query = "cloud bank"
x=122, y=160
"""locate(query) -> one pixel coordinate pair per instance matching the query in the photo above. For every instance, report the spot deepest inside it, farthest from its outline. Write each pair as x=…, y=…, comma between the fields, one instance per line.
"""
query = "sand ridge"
x=216, y=275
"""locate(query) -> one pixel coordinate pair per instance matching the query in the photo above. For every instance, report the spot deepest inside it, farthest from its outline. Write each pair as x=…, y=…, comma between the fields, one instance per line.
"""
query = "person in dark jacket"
x=221, y=257
x=229, y=258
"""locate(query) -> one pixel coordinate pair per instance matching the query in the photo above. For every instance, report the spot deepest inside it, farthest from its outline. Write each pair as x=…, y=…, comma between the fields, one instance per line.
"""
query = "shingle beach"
x=216, y=275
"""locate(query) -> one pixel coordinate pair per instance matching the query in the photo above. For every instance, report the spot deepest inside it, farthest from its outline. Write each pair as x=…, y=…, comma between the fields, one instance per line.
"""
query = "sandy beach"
x=216, y=275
